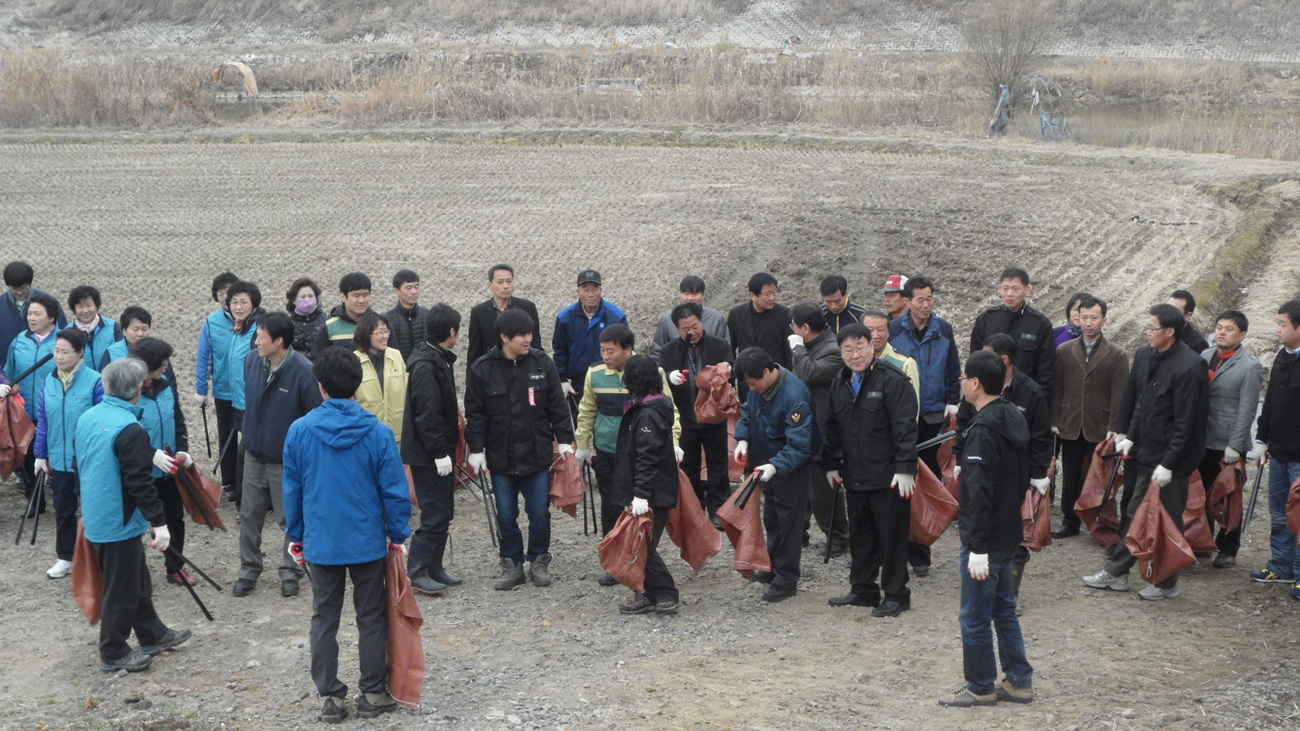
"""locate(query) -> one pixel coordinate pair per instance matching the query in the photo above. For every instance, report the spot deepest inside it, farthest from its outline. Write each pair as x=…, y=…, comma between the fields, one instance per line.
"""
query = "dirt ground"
x=150, y=224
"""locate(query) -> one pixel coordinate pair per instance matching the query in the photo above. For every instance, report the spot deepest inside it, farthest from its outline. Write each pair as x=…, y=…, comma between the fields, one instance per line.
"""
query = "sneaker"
x=512, y=575
x=370, y=705
x=1295, y=591
x=607, y=580
x=1154, y=593
x=1103, y=580
x=671, y=607
x=1268, y=577
x=132, y=662
x=540, y=570
x=964, y=698
x=169, y=640
x=1010, y=693
x=60, y=569
x=639, y=604
x=1224, y=561
x=181, y=578
x=334, y=710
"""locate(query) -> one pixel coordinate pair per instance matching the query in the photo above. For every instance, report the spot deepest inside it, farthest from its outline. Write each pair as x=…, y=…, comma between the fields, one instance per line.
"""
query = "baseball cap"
x=895, y=283
x=588, y=275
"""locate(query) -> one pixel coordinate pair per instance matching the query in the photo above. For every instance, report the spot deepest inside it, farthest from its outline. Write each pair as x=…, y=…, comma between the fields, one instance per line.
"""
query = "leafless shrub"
x=1004, y=38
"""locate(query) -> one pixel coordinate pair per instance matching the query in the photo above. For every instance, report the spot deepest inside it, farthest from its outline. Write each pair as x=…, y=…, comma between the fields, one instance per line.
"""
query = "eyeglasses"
x=382, y=332
x=64, y=351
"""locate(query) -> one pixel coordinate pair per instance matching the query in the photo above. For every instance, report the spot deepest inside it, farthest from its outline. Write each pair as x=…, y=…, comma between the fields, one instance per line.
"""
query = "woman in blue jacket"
x=214, y=343
x=24, y=352
x=245, y=302
x=101, y=332
x=66, y=394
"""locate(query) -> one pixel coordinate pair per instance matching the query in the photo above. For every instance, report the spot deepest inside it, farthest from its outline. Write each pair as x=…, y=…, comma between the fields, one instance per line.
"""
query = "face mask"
x=305, y=307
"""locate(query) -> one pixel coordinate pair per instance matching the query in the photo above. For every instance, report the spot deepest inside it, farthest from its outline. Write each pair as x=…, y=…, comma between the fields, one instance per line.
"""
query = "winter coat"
x=24, y=352
x=431, y=419
x=162, y=418
x=644, y=463
x=214, y=355
x=406, y=329
x=385, y=398
x=994, y=477
x=1035, y=342
x=1234, y=399
x=271, y=406
x=767, y=330
x=57, y=411
x=514, y=409
x=871, y=436
x=576, y=342
x=1025, y=395
x=852, y=314
x=677, y=356
x=816, y=363
x=482, y=327
x=937, y=360
x=779, y=425
x=106, y=333
x=345, y=492
x=713, y=321
x=1087, y=393
x=337, y=330
x=13, y=318
x=604, y=398
x=305, y=327
x=240, y=345
x=115, y=463
x=1168, y=425
x=1278, y=426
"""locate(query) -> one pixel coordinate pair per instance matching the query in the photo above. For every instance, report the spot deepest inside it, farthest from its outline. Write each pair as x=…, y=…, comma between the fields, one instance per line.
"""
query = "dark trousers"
x=712, y=440
x=659, y=585
x=174, y=512
x=1073, y=454
x=785, y=512
x=64, y=486
x=825, y=503
x=436, y=496
x=327, y=586
x=229, y=459
x=1228, y=543
x=128, y=600
x=918, y=554
x=879, y=522
x=602, y=463
x=1173, y=496
x=1131, y=471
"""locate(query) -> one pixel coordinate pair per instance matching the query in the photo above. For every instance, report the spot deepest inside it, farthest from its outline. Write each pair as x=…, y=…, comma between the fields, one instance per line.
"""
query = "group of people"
x=355, y=409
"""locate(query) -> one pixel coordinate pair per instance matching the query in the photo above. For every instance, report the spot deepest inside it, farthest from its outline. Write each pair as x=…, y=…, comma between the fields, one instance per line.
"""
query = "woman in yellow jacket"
x=383, y=372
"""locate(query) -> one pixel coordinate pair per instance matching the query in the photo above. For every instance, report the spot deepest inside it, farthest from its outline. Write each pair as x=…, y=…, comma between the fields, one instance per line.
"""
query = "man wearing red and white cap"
x=896, y=302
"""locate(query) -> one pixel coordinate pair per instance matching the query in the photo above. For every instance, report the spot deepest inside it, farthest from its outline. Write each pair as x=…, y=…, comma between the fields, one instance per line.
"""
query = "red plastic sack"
x=87, y=577
x=1154, y=540
x=567, y=486
x=405, y=650
x=688, y=526
x=717, y=397
x=1036, y=514
x=1293, y=509
x=735, y=470
x=1225, y=496
x=462, y=452
x=947, y=458
x=933, y=507
x=624, y=549
x=1102, y=521
x=1196, y=527
x=16, y=433
x=744, y=527
x=205, y=498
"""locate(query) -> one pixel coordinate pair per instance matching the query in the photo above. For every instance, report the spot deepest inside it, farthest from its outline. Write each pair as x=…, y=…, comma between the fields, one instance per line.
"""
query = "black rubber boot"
x=417, y=563
x=435, y=569
x=1017, y=573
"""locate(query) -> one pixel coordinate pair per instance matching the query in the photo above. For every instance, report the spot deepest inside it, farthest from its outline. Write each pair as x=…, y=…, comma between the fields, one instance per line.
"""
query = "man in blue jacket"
x=777, y=427
x=278, y=390
x=345, y=500
x=576, y=342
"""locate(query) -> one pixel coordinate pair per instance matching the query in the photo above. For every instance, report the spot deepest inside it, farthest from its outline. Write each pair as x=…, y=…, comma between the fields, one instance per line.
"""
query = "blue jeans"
x=1286, y=559
x=985, y=603
x=536, y=489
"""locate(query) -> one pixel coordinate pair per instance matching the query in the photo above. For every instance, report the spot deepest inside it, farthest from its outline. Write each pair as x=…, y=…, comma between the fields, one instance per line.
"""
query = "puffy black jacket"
x=644, y=463
x=1168, y=423
x=406, y=329
x=305, y=327
x=676, y=356
x=1035, y=341
x=994, y=477
x=431, y=420
x=1278, y=426
x=1028, y=397
x=872, y=436
x=513, y=410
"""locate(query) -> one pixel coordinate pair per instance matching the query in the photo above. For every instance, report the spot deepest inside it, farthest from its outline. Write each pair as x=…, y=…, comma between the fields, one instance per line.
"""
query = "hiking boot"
x=181, y=578
x=1103, y=580
x=1295, y=592
x=1224, y=561
x=423, y=584
x=512, y=575
x=639, y=604
x=169, y=640
x=334, y=710
x=60, y=569
x=370, y=705
x=670, y=607
x=540, y=570
x=964, y=698
x=1154, y=593
x=777, y=594
x=132, y=662
x=243, y=587
x=1009, y=692
x=607, y=580
x=1268, y=577
x=763, y=577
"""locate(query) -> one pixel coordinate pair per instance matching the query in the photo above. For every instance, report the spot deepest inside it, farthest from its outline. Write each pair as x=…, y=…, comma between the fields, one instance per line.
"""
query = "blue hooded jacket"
x=345, y=492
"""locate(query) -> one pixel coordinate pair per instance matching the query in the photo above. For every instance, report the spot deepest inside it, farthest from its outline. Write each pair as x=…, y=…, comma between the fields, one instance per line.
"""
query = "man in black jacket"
x=1166, y=439
x=816, y=360
x=431, y=425
x=683, y=358
x=760, y=323
x=995, y=470
x=871, y=446
x=483, y=316
x=1278, y=436
x=514, y=407
x=1032, y=331
x=1186, y=304
x=406, y=320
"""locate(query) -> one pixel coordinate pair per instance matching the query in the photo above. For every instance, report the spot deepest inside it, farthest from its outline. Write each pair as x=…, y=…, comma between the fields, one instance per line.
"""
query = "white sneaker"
x=1154, y=593
x=1103, y=580
x=60, y=569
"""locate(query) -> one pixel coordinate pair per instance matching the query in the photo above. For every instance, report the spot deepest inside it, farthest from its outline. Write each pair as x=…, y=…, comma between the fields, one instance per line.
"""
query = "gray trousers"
x=370, y=603
x=262, y=493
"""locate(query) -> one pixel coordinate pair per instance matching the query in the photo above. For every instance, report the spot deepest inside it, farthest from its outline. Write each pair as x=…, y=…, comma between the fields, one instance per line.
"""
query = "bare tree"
x=1004, y=38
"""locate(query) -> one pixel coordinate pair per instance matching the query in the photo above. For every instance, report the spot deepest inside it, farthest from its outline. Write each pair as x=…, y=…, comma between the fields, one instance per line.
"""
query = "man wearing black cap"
x=576, y=342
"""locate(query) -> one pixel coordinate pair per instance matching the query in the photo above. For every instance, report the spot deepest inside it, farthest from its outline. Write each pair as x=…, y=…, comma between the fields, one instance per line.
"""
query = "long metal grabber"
x=937, y=440
x=1254, y=496
x=230, y=438
x=197, y=570
x=836, y=485
x=37, y=489
x=19, y=378
x=190, y=589
x=469, y=479
x=207, y=437
x=1119, y=458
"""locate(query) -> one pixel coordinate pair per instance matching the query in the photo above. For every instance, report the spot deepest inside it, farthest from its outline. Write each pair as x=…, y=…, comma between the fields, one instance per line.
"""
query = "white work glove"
x=949, y=410
x=1123, y=444
x=565, y=449
x=1110, y=435
x=567, y=388
x=1039, y=484
x=443, y=466
x=584, y=456
x=1162, y=475
x=904, y=483
x=164, y=461
x=478, y=462
x=401, y=550
x=1231, y=456
x=978, y=566
x=742, y=451
x=1056, y=431
x=295, y=552
x=185, y=459
x=765, y=472
x=794, y=341
x=41, y=465
x=832, y=477
x=640, y=506
x=201, y=399
x=162, y=538
x=4, y=389
x=1259, y=453
x=678, y=452
x=677, y=378
x=956, y=472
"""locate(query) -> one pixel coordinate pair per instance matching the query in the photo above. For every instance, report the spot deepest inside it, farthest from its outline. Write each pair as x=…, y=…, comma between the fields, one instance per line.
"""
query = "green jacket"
x=601, y=409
